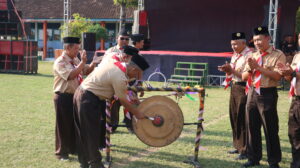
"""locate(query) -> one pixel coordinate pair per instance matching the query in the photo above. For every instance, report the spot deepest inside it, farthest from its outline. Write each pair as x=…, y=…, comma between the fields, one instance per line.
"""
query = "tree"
x=81, y=25
x=298, y=21
x=123, y=5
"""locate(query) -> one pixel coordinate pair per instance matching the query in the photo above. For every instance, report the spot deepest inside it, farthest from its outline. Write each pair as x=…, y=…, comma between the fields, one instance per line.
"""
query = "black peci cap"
x=238, y=36
x=123, y=32
x=140, y=62
x=261, y=30
x=71, y=40
x=129, y=50
x=137, y=37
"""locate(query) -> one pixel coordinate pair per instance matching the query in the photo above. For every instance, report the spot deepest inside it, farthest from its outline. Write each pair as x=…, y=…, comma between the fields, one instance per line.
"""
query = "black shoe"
x=250, y=164
x=233, y=151
x=241, y=157
x=274, y=165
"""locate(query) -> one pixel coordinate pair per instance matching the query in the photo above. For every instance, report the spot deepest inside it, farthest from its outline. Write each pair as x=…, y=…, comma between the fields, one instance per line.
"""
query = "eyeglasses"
x=123, y=38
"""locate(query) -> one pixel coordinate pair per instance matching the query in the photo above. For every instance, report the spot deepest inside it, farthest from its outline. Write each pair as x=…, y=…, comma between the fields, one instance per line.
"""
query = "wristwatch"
x=294, y=74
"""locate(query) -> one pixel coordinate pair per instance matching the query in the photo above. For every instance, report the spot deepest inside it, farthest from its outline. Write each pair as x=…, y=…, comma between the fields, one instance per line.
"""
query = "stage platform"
x=165, y=61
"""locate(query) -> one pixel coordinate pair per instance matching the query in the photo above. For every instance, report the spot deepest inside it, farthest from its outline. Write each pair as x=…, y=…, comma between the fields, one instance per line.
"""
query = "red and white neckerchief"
x=121, y=65
x=293, y=82
x=257, y=75
x=228, y=78
x=79, y=76
x=127, y=114
x=129, y=96
x=116, y=58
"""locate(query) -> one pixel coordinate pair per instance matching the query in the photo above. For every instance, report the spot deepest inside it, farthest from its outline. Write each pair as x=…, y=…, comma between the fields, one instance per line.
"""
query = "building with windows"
x=42, y=16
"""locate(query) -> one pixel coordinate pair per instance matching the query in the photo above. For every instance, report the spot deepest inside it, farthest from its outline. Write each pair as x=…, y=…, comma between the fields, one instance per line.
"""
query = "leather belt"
x=239, y=83
x=60, y=93
x=84, y=90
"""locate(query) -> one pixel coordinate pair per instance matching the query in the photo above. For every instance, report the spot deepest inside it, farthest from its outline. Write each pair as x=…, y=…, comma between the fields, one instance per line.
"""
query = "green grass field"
x=27, y=121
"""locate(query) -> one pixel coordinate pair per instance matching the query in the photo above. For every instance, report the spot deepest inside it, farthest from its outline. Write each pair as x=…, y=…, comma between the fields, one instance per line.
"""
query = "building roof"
x=54, y=9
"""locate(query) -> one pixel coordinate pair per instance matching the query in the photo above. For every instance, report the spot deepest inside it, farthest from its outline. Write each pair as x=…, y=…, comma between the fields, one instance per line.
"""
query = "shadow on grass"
x=145, y=164
x=228, y=143
x=30, y=74
x=43, y=75
x=123, y=131
x=205, y=141
x=179, y=159
x=132, y=151
x=206, y=134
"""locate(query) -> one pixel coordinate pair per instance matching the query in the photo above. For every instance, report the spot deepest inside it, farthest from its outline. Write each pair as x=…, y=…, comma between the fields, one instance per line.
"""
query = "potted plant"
x=80, y=25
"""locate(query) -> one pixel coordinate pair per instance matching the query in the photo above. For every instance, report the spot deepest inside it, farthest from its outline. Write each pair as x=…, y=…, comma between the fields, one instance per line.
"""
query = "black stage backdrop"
x=206, y=25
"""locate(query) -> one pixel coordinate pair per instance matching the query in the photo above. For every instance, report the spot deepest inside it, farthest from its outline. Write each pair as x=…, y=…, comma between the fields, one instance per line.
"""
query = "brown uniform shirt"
x=61, y=69
x=295, y=61
x=239, y=62
x=113, y=51
x=116, y=49
x=270, y=62
x=106, y=81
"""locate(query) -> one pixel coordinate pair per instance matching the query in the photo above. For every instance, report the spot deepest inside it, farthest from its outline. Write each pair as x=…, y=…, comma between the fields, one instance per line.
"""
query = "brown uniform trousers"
x=237, y=108
x=65, y=142
x=88, y=115
x=294, y=131
x=262, y=110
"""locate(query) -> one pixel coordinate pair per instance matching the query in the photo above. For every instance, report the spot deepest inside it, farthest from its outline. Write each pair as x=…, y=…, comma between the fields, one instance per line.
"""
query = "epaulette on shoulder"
x=61, y=59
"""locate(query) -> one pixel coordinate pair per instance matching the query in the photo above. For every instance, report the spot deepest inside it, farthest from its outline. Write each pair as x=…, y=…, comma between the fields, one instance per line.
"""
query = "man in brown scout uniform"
x=238, y=97
x=138, y=41
x=135, y=76
x=107, y=80
x=292, y=74
x=68, y=71
x=122, y=40
x=116, y=51
x=135, y=79
x=262, y=75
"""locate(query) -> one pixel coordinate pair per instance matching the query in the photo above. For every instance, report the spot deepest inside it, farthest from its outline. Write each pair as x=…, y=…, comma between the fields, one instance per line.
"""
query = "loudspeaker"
x=2, y=28
x=4, y=16
x=12, y=29
x=89, y=41
x=13, y=17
